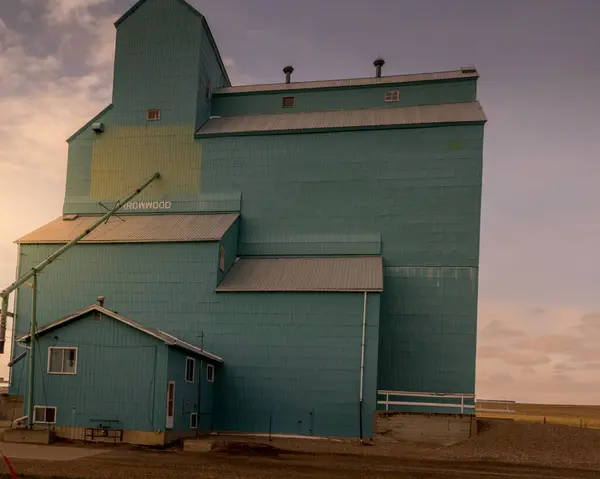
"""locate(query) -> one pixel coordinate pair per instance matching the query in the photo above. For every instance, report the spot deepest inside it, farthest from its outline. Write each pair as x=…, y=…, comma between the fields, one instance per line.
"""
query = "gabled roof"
x=350, y=82
x=138, y=4
x=317, y=274
x=469, y=112
x=167, y=228
x=156, y=333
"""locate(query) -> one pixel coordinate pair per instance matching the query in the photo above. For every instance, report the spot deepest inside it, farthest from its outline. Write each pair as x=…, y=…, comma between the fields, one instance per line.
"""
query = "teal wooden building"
x=320, y=239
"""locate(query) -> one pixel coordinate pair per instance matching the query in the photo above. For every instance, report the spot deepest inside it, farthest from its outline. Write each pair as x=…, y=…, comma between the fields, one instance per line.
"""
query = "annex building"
x=308, y=256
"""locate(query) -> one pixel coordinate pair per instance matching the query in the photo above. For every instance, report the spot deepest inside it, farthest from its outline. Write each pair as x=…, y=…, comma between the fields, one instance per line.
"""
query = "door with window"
x=170, y=405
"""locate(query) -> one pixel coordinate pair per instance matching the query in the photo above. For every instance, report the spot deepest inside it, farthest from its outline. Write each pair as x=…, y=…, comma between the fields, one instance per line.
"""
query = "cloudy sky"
x=539, y=321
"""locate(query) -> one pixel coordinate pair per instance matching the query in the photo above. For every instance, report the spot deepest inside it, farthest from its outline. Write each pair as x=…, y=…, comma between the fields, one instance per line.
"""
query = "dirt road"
x=166, y=465
x=501, y=451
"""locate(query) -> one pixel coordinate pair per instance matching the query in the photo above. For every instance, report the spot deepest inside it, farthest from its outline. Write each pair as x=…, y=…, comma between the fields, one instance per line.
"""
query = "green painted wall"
x=230, y=243
x=189, y=397
x=294, y=357
x=412, y=195
x=211, y=77
x=206, y=420
x=164, y=59
x=121, y=374
x=431, y=93
x=157, y=63
x=420, y=189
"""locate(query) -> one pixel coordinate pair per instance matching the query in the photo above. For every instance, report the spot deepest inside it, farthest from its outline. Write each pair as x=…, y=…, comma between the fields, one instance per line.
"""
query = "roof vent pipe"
x=101, y=301
x=378, y=64
x=288, y=73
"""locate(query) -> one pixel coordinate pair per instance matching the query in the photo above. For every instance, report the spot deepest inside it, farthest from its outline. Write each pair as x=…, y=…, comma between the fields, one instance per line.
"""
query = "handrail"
x=461, y=396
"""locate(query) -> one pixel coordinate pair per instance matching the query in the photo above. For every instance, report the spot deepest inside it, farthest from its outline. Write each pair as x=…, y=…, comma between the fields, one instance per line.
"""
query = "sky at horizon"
x=539, y=313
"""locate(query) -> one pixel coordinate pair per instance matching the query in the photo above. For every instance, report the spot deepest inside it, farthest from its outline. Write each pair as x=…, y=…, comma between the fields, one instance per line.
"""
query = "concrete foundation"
x=443, y=429
x=142, y=438
x=174, y=436
x=29, y=436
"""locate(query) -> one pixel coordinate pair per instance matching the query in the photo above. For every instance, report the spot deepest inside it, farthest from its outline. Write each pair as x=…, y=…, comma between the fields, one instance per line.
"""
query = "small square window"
x=210, y=373
x=44, y=415
x=194, y=420
x=190, y=369
x=222, y=259
x=392, y=95
x=62, y=360
x=288, y=102
x=96, y=317
x=153, y=114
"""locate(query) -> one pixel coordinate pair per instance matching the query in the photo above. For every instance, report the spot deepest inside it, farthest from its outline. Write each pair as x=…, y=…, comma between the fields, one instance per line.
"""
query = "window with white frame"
x=62, y=360
x=190, y=369
x=194, y=420
x=44, y=414
x=210, y=373
x=392, y=95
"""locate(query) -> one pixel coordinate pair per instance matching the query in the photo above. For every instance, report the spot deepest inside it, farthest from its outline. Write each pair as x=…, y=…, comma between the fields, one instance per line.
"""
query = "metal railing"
x=461, y=399
x=499, y=402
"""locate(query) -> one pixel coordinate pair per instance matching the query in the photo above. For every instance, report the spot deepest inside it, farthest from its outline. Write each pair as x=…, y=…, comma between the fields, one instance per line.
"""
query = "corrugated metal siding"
x=229, y=242
x=434, y=93
x=278, y=347
x=157, y=65
x=374, y=117
x=305, y=274
x=166, y=338
x=430, y=321
x=418, y=77
x=210, y=77
x=124, y=155
x=190, y=397
x=312, y=244
x=120, y=375
x=135, y=229
x=419, y=188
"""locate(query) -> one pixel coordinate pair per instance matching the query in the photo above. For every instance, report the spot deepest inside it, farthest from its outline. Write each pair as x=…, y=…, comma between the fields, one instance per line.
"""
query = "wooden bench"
x=104, y=430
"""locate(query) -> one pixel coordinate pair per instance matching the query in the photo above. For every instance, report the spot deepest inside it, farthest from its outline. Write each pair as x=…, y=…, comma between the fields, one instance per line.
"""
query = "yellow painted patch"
x=123, y=157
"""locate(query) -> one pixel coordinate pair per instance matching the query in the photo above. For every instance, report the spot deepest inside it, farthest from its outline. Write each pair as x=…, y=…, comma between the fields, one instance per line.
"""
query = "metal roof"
x=138, y=4
x=135, y=229
x=385, y=80
x=341, y=119
x=344, y=274
x=156, y=333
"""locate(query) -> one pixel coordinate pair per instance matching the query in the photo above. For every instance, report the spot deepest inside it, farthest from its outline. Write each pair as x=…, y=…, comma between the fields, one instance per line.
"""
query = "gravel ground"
x=171, y=465
x=549, y=452
x=555, y=446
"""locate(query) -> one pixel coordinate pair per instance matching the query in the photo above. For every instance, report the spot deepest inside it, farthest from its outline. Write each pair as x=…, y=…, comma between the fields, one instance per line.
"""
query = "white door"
x=170, y=404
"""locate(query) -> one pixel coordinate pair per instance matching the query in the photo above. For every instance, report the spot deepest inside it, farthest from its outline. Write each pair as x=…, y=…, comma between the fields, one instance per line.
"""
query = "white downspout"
x=362, y=362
